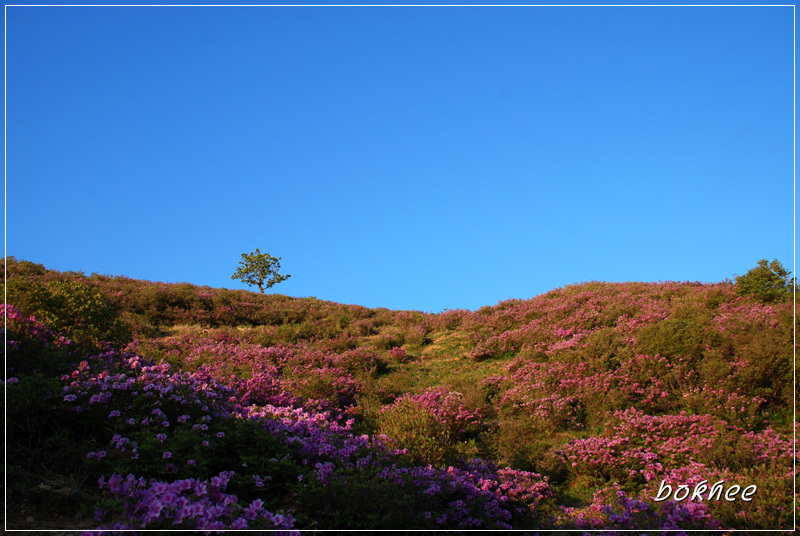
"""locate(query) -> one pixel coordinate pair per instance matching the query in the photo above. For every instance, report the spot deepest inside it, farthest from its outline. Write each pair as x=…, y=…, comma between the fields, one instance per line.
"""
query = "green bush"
x=683, y=334
x=390, y=338
x=69, y=306
x=358, y=500
x=767, y=282
x=769, y=510
x=41, y=433
x=410, y=426
x=83, y=314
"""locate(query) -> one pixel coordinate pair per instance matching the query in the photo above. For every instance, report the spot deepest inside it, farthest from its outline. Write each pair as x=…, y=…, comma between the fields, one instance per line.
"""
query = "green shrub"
x=769, y=369
x=69, y=306
x=83, y=314
x=412, y=427
x=517, y=443
x=682, y=334
x=767, y=282
x=771, y=507
x=41, y=433
x=358, y=500
x=390, y=338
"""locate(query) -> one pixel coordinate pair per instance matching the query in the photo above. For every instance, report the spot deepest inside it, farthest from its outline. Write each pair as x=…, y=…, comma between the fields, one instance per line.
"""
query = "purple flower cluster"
x=188, y=504
x=612, y=509
x=478, y=495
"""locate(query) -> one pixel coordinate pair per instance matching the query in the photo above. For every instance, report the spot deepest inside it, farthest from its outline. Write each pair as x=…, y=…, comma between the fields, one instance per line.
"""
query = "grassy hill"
x=575, y=409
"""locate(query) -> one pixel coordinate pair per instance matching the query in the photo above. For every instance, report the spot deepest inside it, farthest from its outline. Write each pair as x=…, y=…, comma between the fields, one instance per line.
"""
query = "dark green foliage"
x=36, y=433
x=767, y=282
x=29, y=356
x=356, y=500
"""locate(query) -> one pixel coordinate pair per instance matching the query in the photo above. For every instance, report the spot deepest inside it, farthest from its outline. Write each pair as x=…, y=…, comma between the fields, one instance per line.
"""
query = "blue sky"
x=423, y=158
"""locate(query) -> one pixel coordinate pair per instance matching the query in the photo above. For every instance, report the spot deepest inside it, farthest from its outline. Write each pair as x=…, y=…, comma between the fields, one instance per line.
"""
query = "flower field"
x=622, y=407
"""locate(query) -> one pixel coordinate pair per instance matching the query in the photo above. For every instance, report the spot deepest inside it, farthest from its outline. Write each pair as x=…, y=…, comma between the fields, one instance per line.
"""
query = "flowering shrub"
x=187, y=504
x=70, y=306
x=34, y=347
x=398, y=354
x=645, y=447
x=429, y=425
x=268, y=375
x=612, y=509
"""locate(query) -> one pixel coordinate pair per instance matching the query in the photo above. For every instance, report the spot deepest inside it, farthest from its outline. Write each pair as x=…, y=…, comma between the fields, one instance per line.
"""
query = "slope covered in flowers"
x=164, y=406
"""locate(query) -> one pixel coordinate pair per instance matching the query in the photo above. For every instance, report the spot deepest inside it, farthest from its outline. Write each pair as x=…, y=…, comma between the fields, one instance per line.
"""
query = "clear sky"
x=423, y=158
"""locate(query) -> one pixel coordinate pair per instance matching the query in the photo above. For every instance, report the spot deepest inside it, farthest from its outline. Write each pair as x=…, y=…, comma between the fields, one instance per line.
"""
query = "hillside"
x=575, y=409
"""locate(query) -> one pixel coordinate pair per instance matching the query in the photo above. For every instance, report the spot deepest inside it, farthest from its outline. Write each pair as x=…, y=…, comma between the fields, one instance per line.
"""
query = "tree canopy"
x=260, y=269
x=768, y=282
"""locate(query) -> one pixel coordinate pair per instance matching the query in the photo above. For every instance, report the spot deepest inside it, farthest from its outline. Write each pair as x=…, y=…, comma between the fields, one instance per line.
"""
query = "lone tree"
x=767, y=282
x=260, y=269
